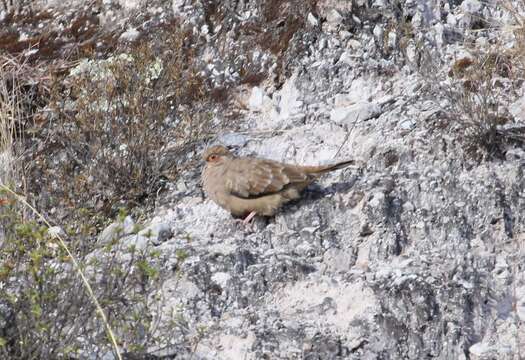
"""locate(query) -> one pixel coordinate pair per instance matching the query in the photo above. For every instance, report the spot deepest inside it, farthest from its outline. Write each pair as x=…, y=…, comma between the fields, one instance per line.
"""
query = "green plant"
x=25, y=244
x=45, y=312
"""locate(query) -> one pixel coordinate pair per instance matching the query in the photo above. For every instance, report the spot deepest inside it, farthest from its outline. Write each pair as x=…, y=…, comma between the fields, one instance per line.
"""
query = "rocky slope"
x=416, y=254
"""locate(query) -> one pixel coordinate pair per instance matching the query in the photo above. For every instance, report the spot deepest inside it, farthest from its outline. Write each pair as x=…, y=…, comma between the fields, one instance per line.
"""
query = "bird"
x=249, y=186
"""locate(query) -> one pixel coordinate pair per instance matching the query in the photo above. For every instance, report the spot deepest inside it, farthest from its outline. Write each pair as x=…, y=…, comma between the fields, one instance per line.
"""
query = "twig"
x=347, y=136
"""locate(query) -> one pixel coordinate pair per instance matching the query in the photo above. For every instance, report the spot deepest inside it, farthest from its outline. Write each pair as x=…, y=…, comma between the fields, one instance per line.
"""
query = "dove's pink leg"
x=249, y=218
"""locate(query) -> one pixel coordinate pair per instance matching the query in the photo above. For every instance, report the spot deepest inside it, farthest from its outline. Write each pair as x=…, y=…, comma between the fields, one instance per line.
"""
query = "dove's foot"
x=249, y=218
x=247, y=222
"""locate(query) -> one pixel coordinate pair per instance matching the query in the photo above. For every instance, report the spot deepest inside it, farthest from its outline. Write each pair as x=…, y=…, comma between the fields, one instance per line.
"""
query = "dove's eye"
x=213, y=158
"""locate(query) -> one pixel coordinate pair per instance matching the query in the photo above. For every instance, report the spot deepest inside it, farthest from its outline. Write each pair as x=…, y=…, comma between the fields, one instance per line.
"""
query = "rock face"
x=417, y=254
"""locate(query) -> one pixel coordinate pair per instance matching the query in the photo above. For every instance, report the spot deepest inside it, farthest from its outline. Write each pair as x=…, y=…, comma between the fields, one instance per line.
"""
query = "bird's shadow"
x=315, y=192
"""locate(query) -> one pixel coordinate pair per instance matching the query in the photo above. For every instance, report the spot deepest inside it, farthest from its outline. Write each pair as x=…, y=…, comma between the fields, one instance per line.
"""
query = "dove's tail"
x=321, y=169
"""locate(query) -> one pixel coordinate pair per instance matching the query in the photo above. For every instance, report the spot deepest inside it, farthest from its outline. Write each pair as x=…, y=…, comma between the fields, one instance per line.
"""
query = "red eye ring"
x=213, y=157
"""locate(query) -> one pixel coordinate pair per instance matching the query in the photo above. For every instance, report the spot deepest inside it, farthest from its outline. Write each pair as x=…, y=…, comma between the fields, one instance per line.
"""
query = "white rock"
x=482, y=42
x=255, y=102
x=411, y=52
x=480, y=350
x=353, y=44
x=128, y=225
x=408, y=207
x=348, y=57
x=451, y=19
x=343, y=100
x=129, y=35
x=392, y=39
x=56, y=231
x=379, y=4
x=110, y=233
x=471, y=6
x=439, y=31
x=177, y=6
x=181, y=186
x=407, y=124
x=337, y=260
x=130, y=4
x=30, y=52
x=334, y=17
x=378, y=200
x=361, y=111
x=343, y=34
x=514, y=154
x=221, y=279
x=233, y=139
x=322, y=44
x=303, y=300
x=312, y=19
x=520, y=302
x=138, y=241
x=289, y=104
x=517, y=109
x=378, y=32
x=116, y=230
x=157, y=233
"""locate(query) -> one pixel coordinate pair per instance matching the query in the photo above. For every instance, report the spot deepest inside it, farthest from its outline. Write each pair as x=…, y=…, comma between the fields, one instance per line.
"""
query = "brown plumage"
x=246, y=185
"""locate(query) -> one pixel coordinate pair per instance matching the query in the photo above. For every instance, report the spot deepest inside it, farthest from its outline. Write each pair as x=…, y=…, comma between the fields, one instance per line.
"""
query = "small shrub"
x=45, y=312
x=475, y=97
x=112, y=126
x=475, y=94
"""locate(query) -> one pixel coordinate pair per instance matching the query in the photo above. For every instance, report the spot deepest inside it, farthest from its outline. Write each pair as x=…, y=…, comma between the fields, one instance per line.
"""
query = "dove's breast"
x=214, y=185
x=212, y=182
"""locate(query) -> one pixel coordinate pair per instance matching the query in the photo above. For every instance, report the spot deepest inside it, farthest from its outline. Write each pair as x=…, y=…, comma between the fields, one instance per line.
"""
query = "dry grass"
x=10, y=119
x=115, y=129
x=481, y=100
x=24, y=88
x=15, y=5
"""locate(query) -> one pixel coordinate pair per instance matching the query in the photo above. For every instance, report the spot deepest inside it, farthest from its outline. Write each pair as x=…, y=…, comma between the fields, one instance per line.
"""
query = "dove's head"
x=216, y=155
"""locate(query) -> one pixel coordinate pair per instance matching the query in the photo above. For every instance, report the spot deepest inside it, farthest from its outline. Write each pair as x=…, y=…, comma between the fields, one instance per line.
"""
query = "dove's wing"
x=249, y=178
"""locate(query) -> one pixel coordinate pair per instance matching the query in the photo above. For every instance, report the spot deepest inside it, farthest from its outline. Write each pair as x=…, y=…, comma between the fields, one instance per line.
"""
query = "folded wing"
x=251, y=178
